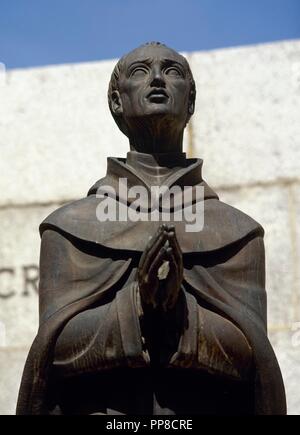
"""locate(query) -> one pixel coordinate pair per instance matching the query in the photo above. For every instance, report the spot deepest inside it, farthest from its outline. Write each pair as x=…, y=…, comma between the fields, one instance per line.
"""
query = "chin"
x=158, y=109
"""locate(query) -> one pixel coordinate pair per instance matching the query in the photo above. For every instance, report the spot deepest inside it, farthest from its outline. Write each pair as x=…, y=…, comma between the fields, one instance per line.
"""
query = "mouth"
x=157, y=95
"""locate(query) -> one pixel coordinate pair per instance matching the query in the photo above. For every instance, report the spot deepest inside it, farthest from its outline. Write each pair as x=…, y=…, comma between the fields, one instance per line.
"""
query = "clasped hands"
x=160, y=270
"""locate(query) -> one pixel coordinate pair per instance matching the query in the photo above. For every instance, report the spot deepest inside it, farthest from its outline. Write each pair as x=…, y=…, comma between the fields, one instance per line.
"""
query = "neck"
x=155, y=137
x=160, y=160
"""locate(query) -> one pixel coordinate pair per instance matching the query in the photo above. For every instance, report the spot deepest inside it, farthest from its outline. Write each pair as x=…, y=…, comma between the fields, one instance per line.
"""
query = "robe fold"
x=90, y=317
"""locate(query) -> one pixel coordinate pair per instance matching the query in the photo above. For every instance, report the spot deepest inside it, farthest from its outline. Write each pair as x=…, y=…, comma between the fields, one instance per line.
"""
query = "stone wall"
x=56, y=132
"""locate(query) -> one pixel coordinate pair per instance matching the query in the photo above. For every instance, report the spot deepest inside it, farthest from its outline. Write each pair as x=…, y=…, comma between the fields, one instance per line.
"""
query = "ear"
x=191, y=106
x=192, y=98
x=116, y=103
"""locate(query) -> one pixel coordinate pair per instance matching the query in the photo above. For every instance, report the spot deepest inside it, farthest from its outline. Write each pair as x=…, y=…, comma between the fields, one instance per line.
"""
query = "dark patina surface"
x=120, y=334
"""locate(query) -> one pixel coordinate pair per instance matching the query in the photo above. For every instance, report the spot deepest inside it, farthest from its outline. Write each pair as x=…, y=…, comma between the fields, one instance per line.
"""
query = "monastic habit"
x=145, y=317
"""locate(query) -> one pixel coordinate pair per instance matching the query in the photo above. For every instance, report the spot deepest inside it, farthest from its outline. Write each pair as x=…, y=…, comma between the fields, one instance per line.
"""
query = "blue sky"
x=42, y=32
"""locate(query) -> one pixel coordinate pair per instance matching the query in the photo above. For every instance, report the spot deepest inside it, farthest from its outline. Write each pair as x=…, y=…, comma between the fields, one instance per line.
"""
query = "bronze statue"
x=144, y=317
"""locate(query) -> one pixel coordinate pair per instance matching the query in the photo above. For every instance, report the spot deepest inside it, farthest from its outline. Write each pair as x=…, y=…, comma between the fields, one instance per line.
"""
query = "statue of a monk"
x=142, y=316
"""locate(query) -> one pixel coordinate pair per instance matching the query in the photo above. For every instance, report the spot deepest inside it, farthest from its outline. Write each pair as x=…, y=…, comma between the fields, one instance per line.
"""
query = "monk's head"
x=151, y=84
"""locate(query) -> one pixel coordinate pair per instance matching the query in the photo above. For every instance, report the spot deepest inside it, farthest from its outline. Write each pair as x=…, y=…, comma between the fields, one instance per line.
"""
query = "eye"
x=173, y=72
x=139, y=71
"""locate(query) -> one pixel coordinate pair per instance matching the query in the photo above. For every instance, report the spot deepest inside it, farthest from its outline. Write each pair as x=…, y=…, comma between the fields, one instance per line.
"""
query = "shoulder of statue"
x=70, y=216
x=236, y=216
x=225, y=225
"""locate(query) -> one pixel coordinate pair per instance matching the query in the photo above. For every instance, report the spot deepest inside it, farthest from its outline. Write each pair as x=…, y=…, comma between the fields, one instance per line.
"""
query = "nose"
x=157, y=78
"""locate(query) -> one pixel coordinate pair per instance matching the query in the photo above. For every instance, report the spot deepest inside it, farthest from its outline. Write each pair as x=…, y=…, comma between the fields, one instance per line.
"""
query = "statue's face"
x=154, y=82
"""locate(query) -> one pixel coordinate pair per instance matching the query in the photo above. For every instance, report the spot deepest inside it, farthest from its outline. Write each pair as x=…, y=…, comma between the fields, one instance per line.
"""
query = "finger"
x=179, y=252
x=154, y=249
x=176, y=250
x=173, y=283
x=149, y=245
x=153, y=270
x=173, y=237
x=152, y=282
